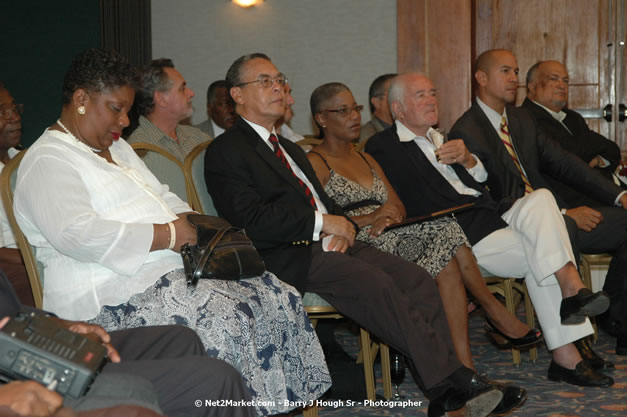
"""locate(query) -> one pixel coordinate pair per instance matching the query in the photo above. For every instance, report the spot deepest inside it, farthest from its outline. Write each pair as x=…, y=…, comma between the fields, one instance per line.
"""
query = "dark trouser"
x=174, y=360
x=394, y=299
x=611, y=236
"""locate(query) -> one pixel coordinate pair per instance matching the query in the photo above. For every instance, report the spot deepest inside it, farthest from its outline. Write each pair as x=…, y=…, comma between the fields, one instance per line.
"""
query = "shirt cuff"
x=606, y=163
x=317, y=226
x=617, y=201
x=478, y=172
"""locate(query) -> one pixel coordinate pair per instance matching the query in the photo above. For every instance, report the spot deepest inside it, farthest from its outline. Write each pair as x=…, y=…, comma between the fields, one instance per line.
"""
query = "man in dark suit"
x=220, y=111
x=601, y=229
x=507, y=238
x=547, y=98
x=266, y=185
x=160, y=367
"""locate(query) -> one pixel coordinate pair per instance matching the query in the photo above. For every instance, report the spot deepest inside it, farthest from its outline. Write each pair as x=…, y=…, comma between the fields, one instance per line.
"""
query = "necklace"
x=71, y=134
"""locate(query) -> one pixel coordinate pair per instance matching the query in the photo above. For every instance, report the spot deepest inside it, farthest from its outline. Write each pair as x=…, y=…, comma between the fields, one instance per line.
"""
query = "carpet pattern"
x=545, y=398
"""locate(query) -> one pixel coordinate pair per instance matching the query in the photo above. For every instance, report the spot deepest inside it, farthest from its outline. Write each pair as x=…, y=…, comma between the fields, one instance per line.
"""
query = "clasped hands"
x=386, y=215
x=341, y=230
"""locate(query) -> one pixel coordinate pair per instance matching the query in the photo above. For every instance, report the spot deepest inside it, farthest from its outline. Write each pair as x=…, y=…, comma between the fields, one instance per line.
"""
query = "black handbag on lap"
x=222, y=252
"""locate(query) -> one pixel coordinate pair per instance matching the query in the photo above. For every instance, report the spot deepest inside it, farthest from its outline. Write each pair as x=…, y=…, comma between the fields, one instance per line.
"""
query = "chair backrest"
x=308, y=143
x=166, y=167
x=34, y=269
x=195, y=169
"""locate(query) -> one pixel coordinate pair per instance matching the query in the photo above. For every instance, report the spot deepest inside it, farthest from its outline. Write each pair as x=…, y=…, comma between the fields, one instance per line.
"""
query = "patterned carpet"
x=546, y=398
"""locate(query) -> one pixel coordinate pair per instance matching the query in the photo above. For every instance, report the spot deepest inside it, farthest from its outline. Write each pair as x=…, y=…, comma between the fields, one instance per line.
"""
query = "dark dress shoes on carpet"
x=480, y=398
x=590, y=356
x=585, y=303
x=583, y=375
x=513, y=397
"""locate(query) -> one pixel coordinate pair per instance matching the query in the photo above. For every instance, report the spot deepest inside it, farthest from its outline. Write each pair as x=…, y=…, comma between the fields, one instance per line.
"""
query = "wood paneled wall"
x=434, y=37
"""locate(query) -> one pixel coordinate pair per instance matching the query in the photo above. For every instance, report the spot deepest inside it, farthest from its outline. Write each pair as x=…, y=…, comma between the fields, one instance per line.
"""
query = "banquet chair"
x=514, y=291
x=317, y=308
x=308, y=143
x=34, y=268
x=194, y=167
x=166, y=167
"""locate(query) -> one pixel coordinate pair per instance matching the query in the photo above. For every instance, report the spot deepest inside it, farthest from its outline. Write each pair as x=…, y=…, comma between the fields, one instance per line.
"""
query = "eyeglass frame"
x=346, y=111
x=15, y=108
x=262, y=77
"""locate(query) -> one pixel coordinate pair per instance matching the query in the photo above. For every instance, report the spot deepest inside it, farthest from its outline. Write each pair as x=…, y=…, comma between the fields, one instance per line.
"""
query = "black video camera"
x=36, y=347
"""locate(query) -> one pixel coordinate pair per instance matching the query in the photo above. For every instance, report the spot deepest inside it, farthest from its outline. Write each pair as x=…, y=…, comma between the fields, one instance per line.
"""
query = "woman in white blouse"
x=108, y=233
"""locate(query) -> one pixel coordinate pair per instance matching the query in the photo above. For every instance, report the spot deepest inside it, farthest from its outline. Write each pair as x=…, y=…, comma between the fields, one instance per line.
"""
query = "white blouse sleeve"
x=52, y=200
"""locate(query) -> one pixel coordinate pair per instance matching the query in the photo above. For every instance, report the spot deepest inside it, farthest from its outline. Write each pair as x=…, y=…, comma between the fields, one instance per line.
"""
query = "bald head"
x=547, y=84
x=486, y=59
x=413, y=102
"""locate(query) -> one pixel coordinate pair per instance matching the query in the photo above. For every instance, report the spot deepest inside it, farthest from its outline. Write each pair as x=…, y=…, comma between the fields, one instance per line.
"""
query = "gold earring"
x=81, y=110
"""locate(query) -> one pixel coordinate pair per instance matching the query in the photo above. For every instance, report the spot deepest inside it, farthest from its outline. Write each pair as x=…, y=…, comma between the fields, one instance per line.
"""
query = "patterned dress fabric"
x=431, y=244
x=258, y=325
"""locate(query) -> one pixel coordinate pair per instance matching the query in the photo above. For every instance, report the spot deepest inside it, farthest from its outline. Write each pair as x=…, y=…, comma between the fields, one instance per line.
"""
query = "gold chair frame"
x=138, y=147
x=6, y=184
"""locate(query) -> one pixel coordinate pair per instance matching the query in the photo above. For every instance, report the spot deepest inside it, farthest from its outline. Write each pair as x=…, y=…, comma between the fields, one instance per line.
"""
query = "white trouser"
x=535, y=245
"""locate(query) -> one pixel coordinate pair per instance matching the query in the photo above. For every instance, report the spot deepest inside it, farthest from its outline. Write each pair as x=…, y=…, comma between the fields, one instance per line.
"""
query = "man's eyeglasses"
x=266, y=81
x=345, y=111
x=6, y=112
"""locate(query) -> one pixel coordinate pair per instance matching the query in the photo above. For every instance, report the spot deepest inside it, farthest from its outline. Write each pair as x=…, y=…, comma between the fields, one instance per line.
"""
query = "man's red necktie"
x=279, y=154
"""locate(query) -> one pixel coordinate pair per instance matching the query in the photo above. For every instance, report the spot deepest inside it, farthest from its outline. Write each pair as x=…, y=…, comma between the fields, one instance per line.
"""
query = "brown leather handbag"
x=222, y=252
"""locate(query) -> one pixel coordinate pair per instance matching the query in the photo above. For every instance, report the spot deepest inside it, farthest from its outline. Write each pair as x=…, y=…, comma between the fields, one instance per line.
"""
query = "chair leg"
x=310, y=411
x=509, y=304
x=385, y=371
x=531, y=322
x=586, y=277
x=368, y=371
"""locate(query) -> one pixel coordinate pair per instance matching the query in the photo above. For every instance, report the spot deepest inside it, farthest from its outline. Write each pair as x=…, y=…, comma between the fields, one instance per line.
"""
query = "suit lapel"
x=267, y=155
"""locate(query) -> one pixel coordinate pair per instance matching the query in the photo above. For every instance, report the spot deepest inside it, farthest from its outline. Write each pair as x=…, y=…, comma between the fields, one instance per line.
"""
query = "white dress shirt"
x=320, y=208
x=92, y=223
x=217, y=130
x=288, y=133
x=7, y=240
x=427, y=147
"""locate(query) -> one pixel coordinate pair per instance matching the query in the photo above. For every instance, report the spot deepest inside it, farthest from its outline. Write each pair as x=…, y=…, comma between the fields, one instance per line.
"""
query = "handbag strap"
x=210, y=248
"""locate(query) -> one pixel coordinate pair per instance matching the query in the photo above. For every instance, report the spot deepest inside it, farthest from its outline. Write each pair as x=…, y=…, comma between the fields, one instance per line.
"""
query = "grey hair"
x=531, y=74
x=323, y=94
x=153, y=78
x=234, y=74
x=397, y=89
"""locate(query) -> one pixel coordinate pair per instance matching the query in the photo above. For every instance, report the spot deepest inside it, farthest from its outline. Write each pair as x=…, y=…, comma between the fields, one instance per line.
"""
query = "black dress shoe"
x=575, y=309
x=621, y=344
x=451, y=400
x=479, y=398
x=513, y=397
x=531, y=338
x=590, y=356
x=583, y=375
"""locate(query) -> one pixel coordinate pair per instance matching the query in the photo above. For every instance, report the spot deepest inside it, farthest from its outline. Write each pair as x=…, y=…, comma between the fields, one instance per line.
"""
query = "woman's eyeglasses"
x=345, y=111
